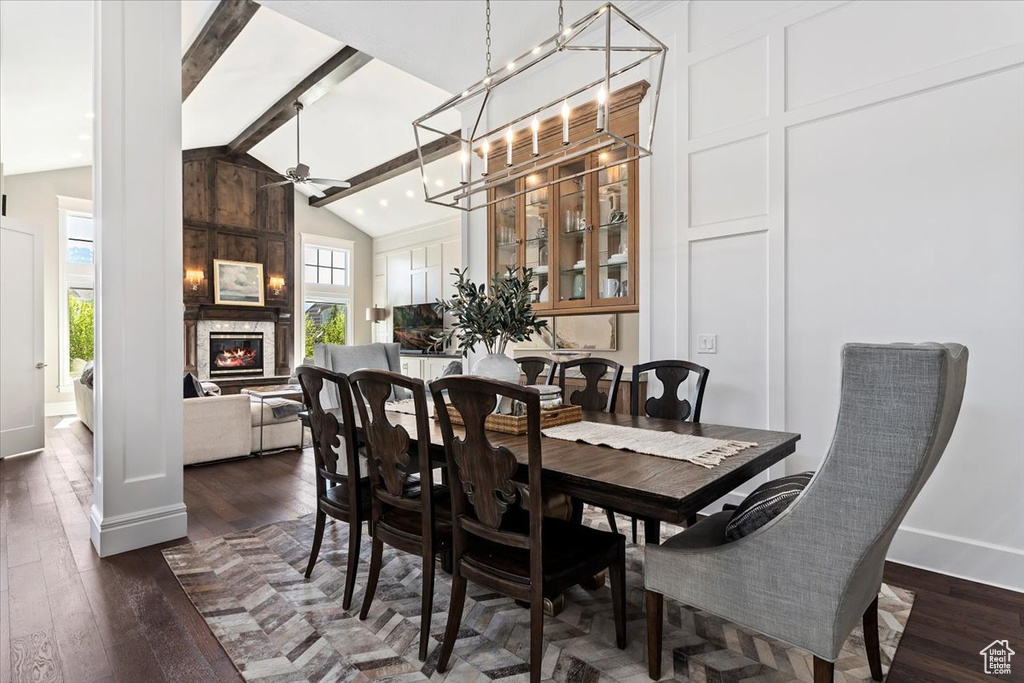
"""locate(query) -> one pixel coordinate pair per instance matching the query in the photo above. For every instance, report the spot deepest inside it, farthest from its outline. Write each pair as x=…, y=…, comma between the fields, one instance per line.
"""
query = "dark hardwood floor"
x=66, y=615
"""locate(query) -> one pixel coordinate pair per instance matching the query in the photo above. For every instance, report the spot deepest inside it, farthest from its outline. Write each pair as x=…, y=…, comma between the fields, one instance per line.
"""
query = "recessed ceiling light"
x=384, y=203
x=359, y=212
x=536, y=49
x=511, y=66
x=410, y=194
x=85, y=136
x=439, y=182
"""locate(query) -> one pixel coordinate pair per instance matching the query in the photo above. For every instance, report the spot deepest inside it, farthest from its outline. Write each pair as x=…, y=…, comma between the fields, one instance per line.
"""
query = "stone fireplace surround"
x=205, y=327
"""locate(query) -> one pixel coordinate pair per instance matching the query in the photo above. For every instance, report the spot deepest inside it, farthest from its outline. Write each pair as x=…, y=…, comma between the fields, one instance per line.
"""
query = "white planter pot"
x=501, y=367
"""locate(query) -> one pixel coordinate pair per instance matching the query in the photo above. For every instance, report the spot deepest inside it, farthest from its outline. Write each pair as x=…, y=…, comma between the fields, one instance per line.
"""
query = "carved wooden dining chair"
x=593, y=397
x=668, y=405
x=501, y=538
x=341, y=492
x=536, y=367
x=408, y=511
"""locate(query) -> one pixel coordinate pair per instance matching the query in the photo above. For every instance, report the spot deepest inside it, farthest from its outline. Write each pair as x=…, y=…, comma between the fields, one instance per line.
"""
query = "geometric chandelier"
x=557, y=102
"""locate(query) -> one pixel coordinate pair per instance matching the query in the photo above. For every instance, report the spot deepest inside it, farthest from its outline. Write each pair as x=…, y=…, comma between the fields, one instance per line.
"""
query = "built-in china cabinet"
x=577, y=228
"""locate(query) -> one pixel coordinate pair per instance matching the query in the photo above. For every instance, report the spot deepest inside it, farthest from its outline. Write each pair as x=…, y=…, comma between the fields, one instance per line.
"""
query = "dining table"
x=652, y=488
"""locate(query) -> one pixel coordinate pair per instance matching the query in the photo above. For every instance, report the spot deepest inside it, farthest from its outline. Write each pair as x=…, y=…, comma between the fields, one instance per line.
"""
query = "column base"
x=121, y=533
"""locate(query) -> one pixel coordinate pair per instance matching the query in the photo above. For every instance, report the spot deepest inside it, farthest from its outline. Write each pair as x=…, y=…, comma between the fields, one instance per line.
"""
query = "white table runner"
x=698, y=450
x=408, y=407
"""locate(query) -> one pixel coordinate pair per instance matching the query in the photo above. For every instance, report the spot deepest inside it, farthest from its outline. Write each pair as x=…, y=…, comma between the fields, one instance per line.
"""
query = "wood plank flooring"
x=66, y=615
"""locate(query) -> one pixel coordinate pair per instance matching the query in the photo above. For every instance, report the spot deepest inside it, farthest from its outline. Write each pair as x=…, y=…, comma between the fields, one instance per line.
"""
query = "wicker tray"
x=511, y=424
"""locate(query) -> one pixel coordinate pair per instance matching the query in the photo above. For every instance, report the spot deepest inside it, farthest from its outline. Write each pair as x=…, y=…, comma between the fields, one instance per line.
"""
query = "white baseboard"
x=964, y=558
x=57, y=409
x=121, y=533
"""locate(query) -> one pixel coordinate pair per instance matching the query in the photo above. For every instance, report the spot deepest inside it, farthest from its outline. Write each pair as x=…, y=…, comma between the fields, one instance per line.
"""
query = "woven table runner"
x=699, y=450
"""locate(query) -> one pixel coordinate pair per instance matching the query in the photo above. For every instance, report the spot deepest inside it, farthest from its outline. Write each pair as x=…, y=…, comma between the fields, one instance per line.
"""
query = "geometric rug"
x=278, y=627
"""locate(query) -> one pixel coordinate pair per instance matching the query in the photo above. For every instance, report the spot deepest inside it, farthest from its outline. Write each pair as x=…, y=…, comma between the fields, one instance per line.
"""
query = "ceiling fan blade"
x=277, y=184
x=330, y=182
x=316, y=191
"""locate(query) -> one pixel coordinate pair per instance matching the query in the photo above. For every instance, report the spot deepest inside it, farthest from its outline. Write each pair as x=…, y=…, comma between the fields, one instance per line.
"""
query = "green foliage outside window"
x=324, y=324
x=80, y=327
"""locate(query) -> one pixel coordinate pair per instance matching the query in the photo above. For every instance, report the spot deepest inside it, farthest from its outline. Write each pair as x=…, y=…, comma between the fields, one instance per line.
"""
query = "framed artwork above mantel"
x=237, y=283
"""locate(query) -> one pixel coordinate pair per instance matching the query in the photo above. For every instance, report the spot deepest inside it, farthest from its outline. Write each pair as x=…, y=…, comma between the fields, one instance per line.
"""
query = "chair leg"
x=871, y=640
x=655, y=607
x=355, y=527
x=536, y=638
x=611, y=521
x=376, y=552
x=427, y=604
x=318, y=537
x=824, y=671
x=451, y=629
x=617, y=570
x=636, y=523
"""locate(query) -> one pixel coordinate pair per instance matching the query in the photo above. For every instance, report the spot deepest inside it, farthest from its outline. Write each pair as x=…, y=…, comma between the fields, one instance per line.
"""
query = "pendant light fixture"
x=523, y=119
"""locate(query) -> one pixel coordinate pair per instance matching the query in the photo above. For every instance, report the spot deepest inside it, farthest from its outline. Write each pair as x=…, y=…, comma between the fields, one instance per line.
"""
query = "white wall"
x=314, y=221
x=32, y=197
x=414, y=267
x=851, y=172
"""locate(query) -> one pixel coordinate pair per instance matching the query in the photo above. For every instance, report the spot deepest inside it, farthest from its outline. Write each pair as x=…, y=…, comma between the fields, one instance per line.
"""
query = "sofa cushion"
x=287, y=411
x=87, y=373
x=191, y=388
x=765, y=503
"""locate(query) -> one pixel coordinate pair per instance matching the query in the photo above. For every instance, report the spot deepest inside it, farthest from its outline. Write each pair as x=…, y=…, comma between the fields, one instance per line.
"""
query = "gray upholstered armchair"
x=808, y=575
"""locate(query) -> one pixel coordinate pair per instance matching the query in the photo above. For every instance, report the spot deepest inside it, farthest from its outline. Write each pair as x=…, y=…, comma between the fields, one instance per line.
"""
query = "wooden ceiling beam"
x=221, y=29
x=432, y=151
x=343, y=64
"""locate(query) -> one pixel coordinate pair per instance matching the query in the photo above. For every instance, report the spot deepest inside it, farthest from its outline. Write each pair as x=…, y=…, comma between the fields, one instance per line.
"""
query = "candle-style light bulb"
x=535, y=127
x=464, y=164
x=601, y=97
x=508, y=147
x=565, y=122
x=486, y=148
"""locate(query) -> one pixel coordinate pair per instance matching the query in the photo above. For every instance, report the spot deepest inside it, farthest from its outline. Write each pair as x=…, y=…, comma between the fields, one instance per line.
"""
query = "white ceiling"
x=45, y=85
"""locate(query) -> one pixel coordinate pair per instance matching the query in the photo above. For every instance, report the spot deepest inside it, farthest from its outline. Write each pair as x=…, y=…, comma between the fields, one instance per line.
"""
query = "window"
x=326, y=294
x=325, y=266
x=77, y=279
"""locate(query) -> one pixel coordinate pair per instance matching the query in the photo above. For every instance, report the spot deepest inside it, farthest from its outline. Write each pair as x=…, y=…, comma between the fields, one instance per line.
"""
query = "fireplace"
x=236, y=354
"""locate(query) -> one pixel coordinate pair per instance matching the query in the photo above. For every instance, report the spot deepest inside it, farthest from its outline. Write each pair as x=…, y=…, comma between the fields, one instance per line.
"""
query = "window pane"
x=310, y=256
x=324, y=258
x=325, y=323
x=324, y=277
x=310, y=274
x=80, y=228
x=80, y=328
x=79, y=252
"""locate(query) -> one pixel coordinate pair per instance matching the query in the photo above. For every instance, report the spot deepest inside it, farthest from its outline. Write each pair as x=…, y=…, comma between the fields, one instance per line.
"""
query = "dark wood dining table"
x=653, y=488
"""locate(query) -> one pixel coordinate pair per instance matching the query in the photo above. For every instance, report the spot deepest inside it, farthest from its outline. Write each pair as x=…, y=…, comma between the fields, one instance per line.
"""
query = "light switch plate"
x=707, y=343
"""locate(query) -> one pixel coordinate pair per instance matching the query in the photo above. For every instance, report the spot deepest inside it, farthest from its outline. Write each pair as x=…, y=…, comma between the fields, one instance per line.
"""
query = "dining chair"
x=408, y=512
x=808, y=575
x=668, y=405
x=592, y=396
x=534, y=367
x=502, y=540
x=341, y=492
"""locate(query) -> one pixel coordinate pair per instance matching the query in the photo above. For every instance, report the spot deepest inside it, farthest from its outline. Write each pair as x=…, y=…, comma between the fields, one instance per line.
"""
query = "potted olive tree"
x=493, y=318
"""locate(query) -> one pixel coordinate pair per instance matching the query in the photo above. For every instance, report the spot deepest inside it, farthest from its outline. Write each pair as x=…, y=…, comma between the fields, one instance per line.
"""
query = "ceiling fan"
x=299, y=174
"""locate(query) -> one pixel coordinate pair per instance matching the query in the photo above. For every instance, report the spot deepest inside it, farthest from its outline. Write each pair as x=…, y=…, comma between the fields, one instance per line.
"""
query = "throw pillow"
x=191, y=386
x=764, y=504
x=87, y=374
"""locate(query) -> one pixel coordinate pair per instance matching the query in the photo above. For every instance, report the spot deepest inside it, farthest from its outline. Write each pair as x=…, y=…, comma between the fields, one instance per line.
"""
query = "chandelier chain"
x=561, y=17
x=488, y=30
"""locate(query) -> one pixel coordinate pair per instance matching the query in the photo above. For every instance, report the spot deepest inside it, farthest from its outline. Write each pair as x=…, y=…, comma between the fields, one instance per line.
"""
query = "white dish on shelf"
x=579, y=265
x=540, y=270
x=617, y=259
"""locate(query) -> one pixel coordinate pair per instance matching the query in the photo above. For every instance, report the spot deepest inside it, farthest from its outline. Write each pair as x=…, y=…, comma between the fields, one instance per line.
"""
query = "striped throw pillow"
x=764, y=504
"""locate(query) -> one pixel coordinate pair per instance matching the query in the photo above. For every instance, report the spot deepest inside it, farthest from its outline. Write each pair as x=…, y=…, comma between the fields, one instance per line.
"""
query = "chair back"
x=387, y=444
x=486, y=498
x=333, y=438
x=536, y=367
x=592, y=396
x=671, y=374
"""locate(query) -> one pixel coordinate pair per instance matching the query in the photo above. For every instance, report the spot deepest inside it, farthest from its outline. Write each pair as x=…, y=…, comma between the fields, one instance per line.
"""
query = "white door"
x=21, y=338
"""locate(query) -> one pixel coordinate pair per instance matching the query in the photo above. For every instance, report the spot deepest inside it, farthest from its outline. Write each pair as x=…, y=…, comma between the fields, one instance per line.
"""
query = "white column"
x=138, y=495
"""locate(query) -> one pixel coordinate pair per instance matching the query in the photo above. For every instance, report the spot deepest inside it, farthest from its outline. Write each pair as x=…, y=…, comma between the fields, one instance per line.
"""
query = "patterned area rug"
x=278, y=627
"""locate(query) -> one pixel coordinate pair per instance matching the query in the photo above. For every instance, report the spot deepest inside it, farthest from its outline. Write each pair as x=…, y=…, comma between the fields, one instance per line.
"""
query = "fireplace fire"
x=236, y=353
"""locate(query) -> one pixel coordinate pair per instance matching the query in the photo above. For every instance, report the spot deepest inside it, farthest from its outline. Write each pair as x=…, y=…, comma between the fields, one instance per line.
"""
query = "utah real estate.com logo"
x=997, y=657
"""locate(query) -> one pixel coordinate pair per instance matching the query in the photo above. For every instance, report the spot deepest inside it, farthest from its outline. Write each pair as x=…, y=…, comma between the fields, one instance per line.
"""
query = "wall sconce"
x=194, y=278
x=276, y=285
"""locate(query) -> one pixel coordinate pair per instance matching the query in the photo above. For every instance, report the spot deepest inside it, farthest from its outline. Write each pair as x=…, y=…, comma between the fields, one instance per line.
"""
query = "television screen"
x=418, y=328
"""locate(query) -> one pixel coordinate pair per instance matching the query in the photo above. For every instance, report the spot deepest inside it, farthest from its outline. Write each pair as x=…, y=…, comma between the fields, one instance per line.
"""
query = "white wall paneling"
x=884, y=204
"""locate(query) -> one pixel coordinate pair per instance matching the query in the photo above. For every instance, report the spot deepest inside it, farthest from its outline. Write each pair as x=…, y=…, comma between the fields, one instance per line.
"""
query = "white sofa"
x=218, y=427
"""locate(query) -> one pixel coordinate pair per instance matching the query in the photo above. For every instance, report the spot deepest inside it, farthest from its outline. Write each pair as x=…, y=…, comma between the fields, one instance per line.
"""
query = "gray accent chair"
x=348, y=359
x=811, y=573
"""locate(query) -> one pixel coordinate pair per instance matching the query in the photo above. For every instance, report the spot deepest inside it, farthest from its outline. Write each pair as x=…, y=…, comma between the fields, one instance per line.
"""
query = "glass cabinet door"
x=537, y=244
x=573, y=229
x=613, y=238
x=504, y=230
